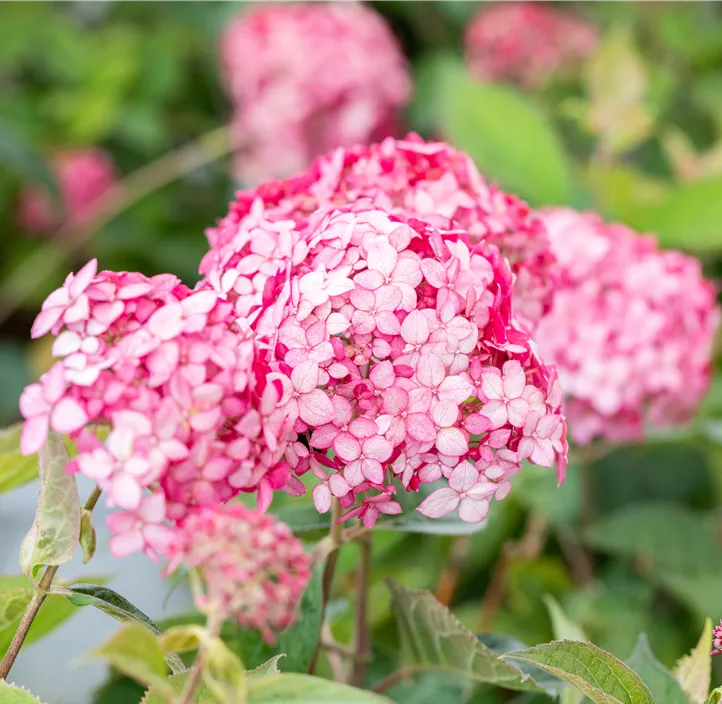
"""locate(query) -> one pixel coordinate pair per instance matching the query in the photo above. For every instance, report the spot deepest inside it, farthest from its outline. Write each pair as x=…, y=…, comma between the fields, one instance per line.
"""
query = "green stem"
x=213, y=626
x=36, y=602
x=361, y=642
x=399, y=676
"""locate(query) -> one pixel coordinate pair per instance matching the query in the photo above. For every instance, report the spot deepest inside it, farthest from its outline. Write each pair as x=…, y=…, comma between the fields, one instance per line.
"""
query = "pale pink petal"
x=543, y=453
x=451, y=441
x=445, y=414
x=514, y=379
x=477, y=424
x=377, y=448
x=66, y=343
x=32, y=401
x=491, y=385
x=387, y=298
x=45, y=320
x=152, y=508
x=34, y=435
x=464, y=476
x=126, y=544
x=362, y=428
x=430, y=370
x=54, y=382
x=167, y=322
x=434, y=272
x=363, y=321
x=125, y=491
x=361, y=299
x=199, y=303
x=456, y=389
x=439, y=503
x=496, y=412
x=482, y=490
x=420, y=427
x=369, y=279
x=415, y=328
x=517, y=410
x=387, y=323
x=315, y=408
x=323, y=436
x=338, y=485
x=382, y=257
x=473, y=511
x=395, y=400
x=68, y=416
x=407, y=271
x=372, y=470
x=547, y=425
x=321, y=498
x=382, y=375
x=347, y=447
x=305, y=377
x=83, y=278
x=352, y=473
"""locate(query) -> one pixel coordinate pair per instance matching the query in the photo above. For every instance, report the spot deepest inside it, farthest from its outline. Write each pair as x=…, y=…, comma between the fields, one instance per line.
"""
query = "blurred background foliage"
x=633, y=540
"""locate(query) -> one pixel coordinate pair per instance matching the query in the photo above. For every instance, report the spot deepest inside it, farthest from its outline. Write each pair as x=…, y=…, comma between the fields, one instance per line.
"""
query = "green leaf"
x=716, y=696
x=15, y=469
x=506, y=134
x=689, y=216
x=298, y=642
x=177, y=684
x=594, y=672
x=12, y=605
x=18, y=156
x=111, y=602
x=670, y=537
x=305, y=689
x=267, y=668
x=694, y=671
x=135, y=651
x=12, y=694
x=661, y=682
x=55, y=610
x=182, y=639
x=432, y=636
x=54, y=536
x=564, y=629
x=223, y=672
x=88, y=538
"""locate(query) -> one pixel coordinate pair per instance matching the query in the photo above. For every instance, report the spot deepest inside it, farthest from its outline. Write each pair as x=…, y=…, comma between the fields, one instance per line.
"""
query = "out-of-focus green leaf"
x=507, y=135
x=564, y=628
x=661, y=682
x=223, y=673
x=689, y=217
x=267, y=668
x=304, y=689
x=88, y=537
x=55, y=532
x=135, y=651
x=177, y=684
x=536, y=489
x=18, y=155
x=12, y=694
x=617, y=84
x=594, y=672
x=716, y=696
x=670, y=537
x=694, y=671
x=432, y=636
x=15, y=469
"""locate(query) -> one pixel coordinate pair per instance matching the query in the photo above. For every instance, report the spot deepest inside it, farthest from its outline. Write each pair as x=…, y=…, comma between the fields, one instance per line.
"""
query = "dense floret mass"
x=526, y=42
x=631, y=330
x=302, y=82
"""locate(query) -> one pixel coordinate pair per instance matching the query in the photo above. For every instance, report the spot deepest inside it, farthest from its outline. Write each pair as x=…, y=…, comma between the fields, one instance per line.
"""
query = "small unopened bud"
x=87, y=535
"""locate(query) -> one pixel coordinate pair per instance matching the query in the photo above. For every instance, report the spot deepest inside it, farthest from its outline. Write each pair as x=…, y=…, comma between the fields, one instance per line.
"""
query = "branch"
x=36, y=602
x=399, y=676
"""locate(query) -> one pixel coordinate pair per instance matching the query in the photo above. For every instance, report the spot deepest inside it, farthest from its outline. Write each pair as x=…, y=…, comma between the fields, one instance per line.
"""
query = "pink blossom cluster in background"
x=82, y=176
x=631, y=330
x=253, y=567
x=717, y=640
x=526, y=42
x=306, y=78
x=411, y=178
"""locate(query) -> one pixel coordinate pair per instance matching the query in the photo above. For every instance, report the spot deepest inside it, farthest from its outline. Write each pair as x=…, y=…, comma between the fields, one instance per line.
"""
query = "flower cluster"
x=253, y=567
x=411, y=178
x=335, y=331
x=82, y=176
x=176, y=379
x=631, y=330
x=395, y=347
x=301, y=82
x=526, y=42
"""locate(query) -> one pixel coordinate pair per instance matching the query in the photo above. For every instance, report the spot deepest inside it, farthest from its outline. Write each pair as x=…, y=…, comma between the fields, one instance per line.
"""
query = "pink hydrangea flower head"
x=631, y=329
x=254, y=569
x=392, y=343
x=526, y=42
x=83, y=176
x=301, y=82
x=410, y=179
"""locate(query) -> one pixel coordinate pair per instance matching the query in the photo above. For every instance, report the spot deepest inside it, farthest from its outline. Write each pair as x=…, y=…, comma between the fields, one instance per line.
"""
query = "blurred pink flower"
x=526, y=42
x=305, y=78
x=82, y=176
x=631, y=330
x=254, y=569
x=717, y=640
